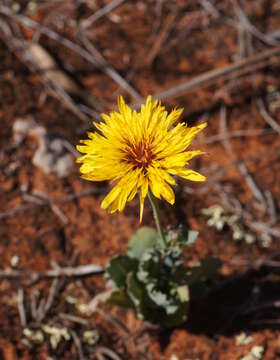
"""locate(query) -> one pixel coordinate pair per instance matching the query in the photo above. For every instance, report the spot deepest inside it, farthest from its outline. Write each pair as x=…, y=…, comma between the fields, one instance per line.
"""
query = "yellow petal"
x=167, y=193
x=143, y=194
x=139, y=150
x=141, y=208
x=173, y=117
x=190, y=175
x=159, y=187
x=113, y=194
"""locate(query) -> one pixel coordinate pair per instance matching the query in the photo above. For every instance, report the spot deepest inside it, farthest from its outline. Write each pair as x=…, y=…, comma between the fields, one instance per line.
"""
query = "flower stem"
x=155, y=208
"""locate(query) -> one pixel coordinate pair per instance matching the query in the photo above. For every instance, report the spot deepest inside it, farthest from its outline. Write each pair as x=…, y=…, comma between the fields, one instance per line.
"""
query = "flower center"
x=140, y=155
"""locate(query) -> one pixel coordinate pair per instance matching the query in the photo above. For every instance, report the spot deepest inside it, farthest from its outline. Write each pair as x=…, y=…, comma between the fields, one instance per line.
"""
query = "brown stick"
x=161, y=38
x=82, y=270
x=112, y=73
x=101, y=12
x=211, y=76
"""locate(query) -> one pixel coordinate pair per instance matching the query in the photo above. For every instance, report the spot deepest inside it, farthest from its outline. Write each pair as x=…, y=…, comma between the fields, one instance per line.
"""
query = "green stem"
x=155, y=208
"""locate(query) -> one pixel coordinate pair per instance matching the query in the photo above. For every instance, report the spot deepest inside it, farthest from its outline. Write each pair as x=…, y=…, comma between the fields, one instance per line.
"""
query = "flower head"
x=139, y=151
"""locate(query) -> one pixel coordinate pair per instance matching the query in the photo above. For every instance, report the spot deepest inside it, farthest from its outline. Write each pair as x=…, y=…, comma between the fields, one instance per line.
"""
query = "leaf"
x=183, y=293
x=137, y=294
x=144, y=239
x=192, y=235
x=158, y=297
x=179, y=317
x=166, y=309
x=187, y=237
x=150, y=266
x=119, y=298
x=118, y=268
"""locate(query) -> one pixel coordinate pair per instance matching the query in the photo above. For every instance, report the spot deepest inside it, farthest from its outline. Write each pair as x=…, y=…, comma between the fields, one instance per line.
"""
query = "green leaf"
x=179, y=317
x=158, y=297
x=183, y=293
x=119, y=298
x=187, y=237
x=118, y=268
x=192, y=235
x=136, y=292
x=168, y=315
x=144, y=239
x=150, y=266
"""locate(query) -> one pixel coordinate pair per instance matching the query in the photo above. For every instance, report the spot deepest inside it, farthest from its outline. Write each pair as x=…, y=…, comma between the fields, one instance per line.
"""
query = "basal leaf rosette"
x=153, y=285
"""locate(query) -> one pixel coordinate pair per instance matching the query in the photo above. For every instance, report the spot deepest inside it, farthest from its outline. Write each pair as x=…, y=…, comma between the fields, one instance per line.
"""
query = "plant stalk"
x=155, y=208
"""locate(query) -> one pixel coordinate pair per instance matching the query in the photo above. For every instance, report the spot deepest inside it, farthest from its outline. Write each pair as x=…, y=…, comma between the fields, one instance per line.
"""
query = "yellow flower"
x=139, y=151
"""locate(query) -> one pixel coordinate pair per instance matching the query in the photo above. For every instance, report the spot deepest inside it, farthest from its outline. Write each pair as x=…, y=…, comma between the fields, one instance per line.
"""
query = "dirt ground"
x=50, y=222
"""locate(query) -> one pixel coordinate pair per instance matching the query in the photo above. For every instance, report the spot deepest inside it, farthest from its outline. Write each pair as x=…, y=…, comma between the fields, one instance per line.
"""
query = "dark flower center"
x=140, y=155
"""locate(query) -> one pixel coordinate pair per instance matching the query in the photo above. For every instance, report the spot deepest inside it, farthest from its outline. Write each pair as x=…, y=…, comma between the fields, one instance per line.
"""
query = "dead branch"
x=50, y=299
x=102, y=353
x=56, y=210
x=74, y=319
x=267, y=39
x=234, y=134
x=161, y=38
x=78, y=345
x=271, y=207
x=109, y=70
x=224, y=132
x=34, y=276
x=25, y=21
x=208, y=78
x=21, y=308
x=19, y=47
x=101, y=12
x=265, y=230
x=42, y=202
x=113, y=321
x=271, y=122
x=252, y=184
x=261, y=306
x=257, y=193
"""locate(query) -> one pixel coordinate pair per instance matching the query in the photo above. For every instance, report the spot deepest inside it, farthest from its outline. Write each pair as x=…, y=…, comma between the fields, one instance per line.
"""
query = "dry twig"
x=50, y=299
x=103, y=352
x=78, y=345
x=224, y=132
x=161, y=38
x=74, y=319
x=272, y=123
x=260, y=60
x=69, y=271
x=267, y=39
x=252, y=184
x=40, y=202
x=18, y=46
x=271, y=207
x=234, y=134
x=96, y=61
x=21, y=308
x=101, y=12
